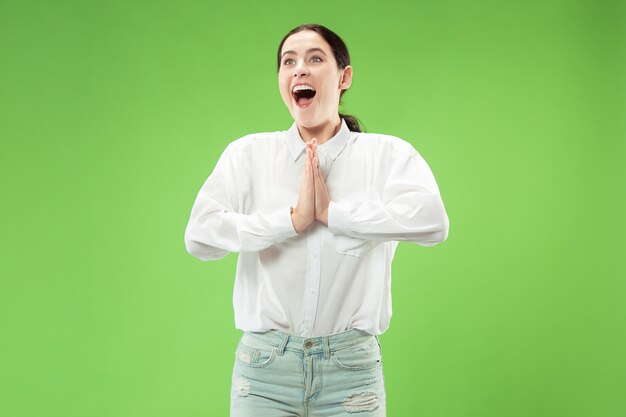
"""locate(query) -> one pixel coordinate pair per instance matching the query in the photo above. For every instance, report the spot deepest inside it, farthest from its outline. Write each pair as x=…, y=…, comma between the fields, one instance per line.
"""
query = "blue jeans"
x=280, y=375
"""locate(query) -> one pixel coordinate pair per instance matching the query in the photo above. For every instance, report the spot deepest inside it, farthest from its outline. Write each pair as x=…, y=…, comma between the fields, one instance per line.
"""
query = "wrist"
x=322, y=216
x=299, y=223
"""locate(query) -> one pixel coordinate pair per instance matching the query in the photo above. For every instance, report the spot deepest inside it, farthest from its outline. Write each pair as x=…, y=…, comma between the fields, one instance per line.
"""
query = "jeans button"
x=308, y=344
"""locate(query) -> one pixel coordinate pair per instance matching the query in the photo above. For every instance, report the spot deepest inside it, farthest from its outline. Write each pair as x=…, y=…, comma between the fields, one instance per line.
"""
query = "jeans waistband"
x=310, y=345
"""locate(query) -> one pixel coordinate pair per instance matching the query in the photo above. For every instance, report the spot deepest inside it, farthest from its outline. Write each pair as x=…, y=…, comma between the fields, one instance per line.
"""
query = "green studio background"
x=114, y=113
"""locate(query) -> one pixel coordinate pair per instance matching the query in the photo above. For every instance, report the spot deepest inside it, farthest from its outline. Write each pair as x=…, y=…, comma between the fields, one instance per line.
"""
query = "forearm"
x=213, y=232
x=413, y=217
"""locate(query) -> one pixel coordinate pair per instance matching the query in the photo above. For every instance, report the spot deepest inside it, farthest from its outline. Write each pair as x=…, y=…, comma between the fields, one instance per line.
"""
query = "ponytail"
x=352, y=122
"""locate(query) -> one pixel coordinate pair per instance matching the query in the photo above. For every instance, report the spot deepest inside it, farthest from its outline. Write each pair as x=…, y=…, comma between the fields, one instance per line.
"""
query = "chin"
x=304, y=121
x=307, y=120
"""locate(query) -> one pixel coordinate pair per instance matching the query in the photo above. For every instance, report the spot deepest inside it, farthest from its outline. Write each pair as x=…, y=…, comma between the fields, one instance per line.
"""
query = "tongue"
x=303, y=100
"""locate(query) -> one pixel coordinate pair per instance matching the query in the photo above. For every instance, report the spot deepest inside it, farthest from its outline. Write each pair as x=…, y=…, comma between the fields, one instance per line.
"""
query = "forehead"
x=302, y=41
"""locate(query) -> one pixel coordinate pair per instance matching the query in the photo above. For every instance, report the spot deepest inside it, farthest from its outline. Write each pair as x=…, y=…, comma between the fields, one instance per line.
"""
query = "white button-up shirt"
x=326, y=279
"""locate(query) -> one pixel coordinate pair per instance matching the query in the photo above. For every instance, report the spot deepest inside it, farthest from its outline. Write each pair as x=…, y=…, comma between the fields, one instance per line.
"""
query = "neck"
x=322, y=132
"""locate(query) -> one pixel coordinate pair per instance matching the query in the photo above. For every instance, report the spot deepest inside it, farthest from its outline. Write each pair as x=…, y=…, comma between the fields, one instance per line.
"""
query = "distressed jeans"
x=280, y=375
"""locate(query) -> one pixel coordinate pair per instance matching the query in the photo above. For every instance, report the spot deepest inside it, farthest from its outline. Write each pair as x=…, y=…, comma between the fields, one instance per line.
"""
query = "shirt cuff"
x=338, y=219
x=281, y=224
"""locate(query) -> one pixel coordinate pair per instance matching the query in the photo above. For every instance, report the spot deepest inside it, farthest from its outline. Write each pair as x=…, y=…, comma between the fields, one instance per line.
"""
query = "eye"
x=287, y=60
x=320, y=59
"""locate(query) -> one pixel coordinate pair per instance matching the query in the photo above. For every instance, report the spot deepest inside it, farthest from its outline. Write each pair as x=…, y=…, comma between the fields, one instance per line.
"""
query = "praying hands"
x=313, y=200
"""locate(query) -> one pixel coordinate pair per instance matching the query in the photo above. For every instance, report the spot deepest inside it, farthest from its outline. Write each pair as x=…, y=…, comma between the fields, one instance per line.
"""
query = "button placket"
x=311, y=289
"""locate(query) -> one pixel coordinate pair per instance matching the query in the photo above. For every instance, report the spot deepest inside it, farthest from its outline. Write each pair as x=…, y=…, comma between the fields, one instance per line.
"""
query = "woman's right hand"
x=303, y=213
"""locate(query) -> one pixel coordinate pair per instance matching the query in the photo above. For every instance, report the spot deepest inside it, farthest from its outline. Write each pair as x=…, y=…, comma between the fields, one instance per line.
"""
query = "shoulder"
x=386, y=143
x=251, y=142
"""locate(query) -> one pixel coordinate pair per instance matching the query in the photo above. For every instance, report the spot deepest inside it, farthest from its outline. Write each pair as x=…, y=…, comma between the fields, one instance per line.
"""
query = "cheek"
x=329, y=92
x=286, y=94
x=284, y=89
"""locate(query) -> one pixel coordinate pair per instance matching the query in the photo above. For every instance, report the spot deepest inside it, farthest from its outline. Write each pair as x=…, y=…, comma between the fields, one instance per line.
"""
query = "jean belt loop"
x=283, y=344
x=326, y=347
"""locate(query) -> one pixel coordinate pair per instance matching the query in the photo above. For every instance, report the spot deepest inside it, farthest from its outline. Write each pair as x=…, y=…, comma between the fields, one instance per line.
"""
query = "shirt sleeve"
x=408, y=208
x=217, y=224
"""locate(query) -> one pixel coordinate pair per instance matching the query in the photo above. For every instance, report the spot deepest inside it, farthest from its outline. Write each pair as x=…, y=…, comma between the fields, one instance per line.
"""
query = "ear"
x=346, y=79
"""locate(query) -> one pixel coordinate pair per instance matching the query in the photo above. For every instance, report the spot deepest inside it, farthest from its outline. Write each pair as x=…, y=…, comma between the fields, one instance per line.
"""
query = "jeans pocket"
x=363, y=355
x=255, y=356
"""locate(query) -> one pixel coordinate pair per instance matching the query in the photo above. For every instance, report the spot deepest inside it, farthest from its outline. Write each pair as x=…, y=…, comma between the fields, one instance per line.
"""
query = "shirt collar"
x=332, y=146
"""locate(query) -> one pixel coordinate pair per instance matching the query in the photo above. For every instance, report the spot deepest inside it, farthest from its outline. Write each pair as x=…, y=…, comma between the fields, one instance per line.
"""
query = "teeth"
x=303, y=87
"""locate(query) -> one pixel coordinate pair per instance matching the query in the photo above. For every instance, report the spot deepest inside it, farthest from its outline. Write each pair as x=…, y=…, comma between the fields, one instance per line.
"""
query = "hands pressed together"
x=314, y=199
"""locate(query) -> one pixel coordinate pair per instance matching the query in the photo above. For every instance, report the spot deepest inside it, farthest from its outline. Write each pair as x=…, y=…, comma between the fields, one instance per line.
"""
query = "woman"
x=315, y=213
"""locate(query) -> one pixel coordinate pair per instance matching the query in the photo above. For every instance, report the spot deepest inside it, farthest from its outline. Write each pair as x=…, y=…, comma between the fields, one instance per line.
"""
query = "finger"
x=321, y=181
x=307, y=163
x=316, y=173
x=317, y=165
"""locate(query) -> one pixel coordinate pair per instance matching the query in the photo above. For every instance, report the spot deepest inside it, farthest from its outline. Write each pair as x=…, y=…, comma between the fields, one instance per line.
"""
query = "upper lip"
x=297, y=84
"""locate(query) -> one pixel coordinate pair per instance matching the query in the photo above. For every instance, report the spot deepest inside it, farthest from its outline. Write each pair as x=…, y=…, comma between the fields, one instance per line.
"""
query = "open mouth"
x=303, y=95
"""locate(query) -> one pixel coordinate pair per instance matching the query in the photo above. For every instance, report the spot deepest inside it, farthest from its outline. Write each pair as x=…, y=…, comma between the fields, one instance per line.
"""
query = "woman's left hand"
x=322, y=198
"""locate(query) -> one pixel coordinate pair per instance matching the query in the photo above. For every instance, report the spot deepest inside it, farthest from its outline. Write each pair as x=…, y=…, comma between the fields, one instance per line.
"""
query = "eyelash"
x=290, y=59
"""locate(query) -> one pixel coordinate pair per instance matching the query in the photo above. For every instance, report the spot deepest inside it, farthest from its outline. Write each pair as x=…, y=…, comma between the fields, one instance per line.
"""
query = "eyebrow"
x=310, y=50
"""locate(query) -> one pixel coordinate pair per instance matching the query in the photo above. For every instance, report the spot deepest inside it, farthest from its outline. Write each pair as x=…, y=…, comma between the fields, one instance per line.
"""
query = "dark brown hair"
x=342, y=56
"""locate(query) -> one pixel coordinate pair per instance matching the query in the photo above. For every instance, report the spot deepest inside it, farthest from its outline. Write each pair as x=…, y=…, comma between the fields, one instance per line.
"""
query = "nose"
x=301, y=69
